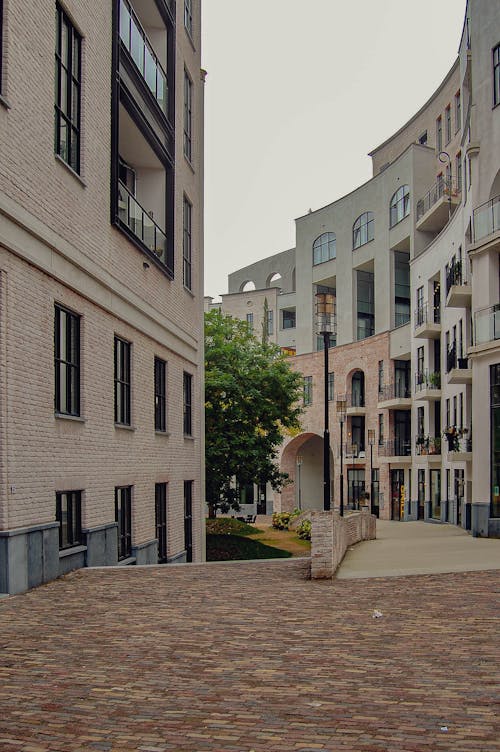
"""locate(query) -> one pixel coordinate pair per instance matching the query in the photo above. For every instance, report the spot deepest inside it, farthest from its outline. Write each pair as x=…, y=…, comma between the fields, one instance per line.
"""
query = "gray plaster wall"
x=260, y=273
x=28, y=557
x=102, y=545
x=146, y=553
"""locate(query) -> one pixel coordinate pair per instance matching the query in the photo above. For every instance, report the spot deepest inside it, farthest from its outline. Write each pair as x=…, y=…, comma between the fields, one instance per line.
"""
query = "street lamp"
x=299, y=465
x=325, y=323
x=341, y=413
x=371, y=442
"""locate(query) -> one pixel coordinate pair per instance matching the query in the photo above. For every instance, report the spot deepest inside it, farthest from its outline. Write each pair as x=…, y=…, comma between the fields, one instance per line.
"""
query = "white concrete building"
x=101, y=259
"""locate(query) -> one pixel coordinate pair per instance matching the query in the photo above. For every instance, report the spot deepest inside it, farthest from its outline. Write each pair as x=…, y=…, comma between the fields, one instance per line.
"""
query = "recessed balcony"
x=428, y=386
x=458, y=289
x=355, y=403
x=427, y=323
x=395, y=451
x=459, y=448
x=458, y=370
x=394, y=397
x=140, y=223
x=428, y=448
x=353, y=455
x=436, y=208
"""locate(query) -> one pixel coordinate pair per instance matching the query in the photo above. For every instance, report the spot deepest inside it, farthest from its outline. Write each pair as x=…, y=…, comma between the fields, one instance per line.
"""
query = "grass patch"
x=230, y=526
x=235, y=547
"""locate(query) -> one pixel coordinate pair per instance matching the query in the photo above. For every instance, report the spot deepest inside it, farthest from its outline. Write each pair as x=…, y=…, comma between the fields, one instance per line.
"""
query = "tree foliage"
x=251, y=398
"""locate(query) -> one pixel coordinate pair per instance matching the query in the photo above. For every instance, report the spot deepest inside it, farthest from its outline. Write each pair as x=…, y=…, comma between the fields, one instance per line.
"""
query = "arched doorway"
x=302, y=459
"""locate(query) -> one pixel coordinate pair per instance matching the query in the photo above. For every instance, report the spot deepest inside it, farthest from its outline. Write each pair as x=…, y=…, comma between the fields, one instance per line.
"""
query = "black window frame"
x=307, y=390
x=187, y=402
x=187, y=244
x=188, y=17
x=447, y=124
x=324, y=248
x=160, y=389
x=363, y=230
x=188, y=117
x=458, y=110
x=68, y=362
x=439, y=134
x=399, y=206
x=331, y=386
x=70, y=115
x=122, y=379
x=70, y=528
x=161, y=520
x=496, y=74
x=188, y=519
x=123, y=516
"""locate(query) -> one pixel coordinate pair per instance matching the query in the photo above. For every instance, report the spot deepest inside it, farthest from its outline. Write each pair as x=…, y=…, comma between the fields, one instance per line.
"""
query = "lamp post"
x=325, y=321
x=341, y=413
x=371, y=442
x=299, y=465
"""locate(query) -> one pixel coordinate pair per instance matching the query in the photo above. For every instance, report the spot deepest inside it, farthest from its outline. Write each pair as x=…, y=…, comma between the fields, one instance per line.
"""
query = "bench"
x=249, y=519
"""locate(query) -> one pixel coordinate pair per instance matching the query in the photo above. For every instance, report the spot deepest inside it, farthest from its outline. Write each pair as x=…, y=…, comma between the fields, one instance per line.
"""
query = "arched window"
x=324, y=248
x=247, y=286
x=400, y=205
x=363, y=229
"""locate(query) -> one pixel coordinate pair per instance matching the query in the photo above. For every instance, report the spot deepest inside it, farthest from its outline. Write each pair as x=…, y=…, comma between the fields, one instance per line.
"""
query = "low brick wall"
x=331, y=536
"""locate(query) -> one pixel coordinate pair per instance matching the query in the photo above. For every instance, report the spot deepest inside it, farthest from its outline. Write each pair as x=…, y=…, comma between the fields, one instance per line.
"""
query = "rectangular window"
x=401, y=288
x=422, y=139
x=188, y=116
x=439, y=134
x=420, y=421
x=67, y=90
x=447, y=119
x=380, y=376
x=460, y=410
x=69, y=517
x=161, y=520
x=320, y=342
x=122, y=382
x=420, y=365
x=454, y=409
x=448, y=414
x=66, y=362
x=380, y=429
x=496, y=75
x=365, y=304
x=186, y=245
x=123, y=516
x=160, y=395
x=188, y=403
x=188, y=16
x=458, y=111
x=308, y=388
x=188, y=519
x=458, y=170
x=250, y=321
x=288, y=318
x=270, y=322
x=331, y=386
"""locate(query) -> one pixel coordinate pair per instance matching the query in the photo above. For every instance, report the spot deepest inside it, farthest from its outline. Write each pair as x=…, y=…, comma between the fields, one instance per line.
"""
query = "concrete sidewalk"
x=404, y=548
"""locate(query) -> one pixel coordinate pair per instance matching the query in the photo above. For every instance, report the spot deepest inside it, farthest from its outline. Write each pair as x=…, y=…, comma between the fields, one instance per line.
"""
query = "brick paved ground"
x=253, y=656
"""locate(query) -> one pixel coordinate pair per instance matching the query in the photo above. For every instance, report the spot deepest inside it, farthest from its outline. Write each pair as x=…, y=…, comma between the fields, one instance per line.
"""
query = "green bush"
x=229, y=526
x=281, y=520
x=304, y=530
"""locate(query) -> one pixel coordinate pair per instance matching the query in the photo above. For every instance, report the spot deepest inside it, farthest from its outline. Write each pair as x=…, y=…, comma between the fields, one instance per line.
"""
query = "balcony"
x=355, y=403
x=140, y=49
x=486, y=220
x=427, y=323
x=353, y=455
x=138, y=221
x=458, y=290
x=428, y=386
x=394, y=397
x=436, y=208
x=457, y=369
x=487, y=325
x=428, y=447
x=459, y=447
x=395, y=451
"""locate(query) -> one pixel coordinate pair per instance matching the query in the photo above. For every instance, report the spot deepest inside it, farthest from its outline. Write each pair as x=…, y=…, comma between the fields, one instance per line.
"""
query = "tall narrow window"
x=420, y=365
x=363, y=230
x=458, y=170
x=380, y=376
x=66, y=362
x=161, y=520
x=188, y=16
x=188, y=116
x=496, y=75
x=160, y=395
x=68, y=90
x=188, y=403
x=439, y=134
x=331, y=386
x=420, y=422
x=365, y=304
x=447, y=116
x=188, y=519
x=399, y=206
x=186, y=245
x=123, y=516
x=122, y=382
x=308, y=388
x=270, y=322
x=69, y=517
x=250, y=321
x=458, y=111
x=381, y=429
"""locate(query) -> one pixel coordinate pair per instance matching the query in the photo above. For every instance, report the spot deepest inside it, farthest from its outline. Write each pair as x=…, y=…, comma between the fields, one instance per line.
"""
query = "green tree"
x=251, y=398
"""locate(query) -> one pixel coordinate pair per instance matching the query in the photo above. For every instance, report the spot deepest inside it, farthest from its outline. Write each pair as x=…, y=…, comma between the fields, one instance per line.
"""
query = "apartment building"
x=411, y=261
x=101, y=258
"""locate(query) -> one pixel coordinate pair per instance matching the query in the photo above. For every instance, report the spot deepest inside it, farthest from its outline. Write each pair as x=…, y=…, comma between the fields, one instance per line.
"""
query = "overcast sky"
x=297, y=94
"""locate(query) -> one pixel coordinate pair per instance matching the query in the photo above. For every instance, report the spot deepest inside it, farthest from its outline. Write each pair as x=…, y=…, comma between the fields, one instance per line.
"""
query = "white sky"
x=298, y=92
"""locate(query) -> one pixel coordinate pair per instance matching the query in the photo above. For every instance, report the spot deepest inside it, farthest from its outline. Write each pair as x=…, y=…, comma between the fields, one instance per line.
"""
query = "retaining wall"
x=331, y=535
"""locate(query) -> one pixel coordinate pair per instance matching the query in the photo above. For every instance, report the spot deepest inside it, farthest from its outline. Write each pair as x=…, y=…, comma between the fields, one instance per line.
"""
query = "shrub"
x=281, y=520
x=304, y=530
x=229, y=526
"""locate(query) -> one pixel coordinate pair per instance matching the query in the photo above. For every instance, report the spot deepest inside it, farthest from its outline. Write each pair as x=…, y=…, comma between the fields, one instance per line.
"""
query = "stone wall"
x=332, y=535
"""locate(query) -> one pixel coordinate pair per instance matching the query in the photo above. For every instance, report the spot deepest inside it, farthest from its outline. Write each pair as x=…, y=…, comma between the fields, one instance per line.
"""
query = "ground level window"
x=161, y=520
x=495, y=439
x=123, y=516
x=69, y=516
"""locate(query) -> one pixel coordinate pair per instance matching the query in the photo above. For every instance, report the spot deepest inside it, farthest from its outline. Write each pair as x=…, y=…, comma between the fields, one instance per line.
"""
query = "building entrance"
x=397, y=491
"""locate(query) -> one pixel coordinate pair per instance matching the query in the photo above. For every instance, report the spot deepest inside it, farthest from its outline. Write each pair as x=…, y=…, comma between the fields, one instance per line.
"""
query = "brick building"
x=101, y=258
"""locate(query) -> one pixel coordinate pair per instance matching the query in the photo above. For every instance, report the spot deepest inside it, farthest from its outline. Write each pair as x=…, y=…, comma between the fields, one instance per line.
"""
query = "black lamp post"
x=371, y=441
x=341, y=412
x=325, y=320
x=299, y=465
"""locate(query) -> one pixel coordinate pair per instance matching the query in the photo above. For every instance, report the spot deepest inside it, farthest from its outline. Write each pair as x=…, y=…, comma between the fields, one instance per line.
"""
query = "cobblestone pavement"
x=251, y=656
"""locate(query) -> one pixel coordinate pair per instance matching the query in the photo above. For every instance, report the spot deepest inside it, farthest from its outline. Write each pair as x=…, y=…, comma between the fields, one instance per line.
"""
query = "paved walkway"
x=404, y=548
x=250, y=657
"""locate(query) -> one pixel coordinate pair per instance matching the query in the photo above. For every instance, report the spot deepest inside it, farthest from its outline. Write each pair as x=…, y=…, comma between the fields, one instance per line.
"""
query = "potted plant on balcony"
x=452, y=435
x=422, y=443
x=435, y=380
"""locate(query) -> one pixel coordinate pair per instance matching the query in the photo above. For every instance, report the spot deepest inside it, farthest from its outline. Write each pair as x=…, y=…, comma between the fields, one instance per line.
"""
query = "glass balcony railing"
x=141, y=224
x=136, y=41
x=487, y=219
x=487, y=325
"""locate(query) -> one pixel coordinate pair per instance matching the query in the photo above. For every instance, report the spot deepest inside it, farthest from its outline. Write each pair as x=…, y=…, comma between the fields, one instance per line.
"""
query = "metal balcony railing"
x=398, y=390
x=455, y=276
x=457, y=440
x=426, y=314
x=427, y=380
x=487, y=324
x=137, y=219
x=451, y=358
x=487, y=219
x=427, y=445
x=354, y=450
x=442, y=188
x=394, y=448
x=138, y=45
x=355, y=399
